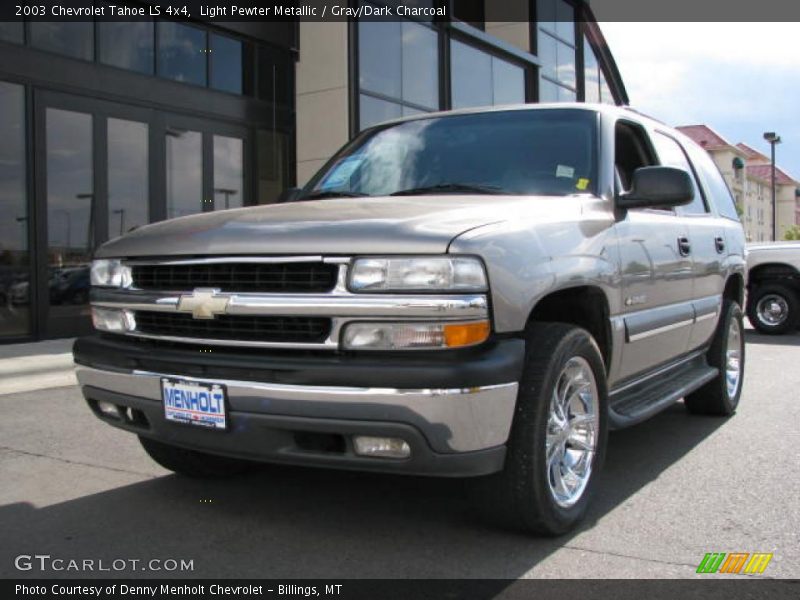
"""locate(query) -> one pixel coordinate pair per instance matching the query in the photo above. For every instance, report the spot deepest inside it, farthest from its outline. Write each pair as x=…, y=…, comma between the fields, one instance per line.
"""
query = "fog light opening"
x=108, y=409
x=381, y=447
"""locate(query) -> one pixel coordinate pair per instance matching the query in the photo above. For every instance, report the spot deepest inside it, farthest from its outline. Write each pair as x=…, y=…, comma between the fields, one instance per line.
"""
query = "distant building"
x=748, y=174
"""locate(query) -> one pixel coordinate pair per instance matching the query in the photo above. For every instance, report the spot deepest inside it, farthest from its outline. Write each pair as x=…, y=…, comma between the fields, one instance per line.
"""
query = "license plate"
x=194, y=403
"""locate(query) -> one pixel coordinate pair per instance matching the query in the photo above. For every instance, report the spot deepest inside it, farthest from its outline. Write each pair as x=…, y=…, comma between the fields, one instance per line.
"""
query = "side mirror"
x=289, y=195
x=657, y=187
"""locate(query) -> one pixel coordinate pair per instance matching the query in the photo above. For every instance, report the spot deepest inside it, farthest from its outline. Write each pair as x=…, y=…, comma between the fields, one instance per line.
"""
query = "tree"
x=792, y=233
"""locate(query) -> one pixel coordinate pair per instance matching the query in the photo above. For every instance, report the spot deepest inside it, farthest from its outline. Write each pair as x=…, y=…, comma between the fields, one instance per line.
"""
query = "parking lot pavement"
x=674, y=488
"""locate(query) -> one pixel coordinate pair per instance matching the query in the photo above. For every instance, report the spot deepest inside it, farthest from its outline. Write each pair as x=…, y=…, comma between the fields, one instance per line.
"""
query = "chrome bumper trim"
x=452, y=419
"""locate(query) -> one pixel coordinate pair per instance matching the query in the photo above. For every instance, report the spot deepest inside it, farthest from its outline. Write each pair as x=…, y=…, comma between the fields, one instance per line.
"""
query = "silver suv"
x=476, y=293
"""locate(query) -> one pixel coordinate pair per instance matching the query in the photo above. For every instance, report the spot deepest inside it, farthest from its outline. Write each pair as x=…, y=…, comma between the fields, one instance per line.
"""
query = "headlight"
x=110, y=273
x=414, y=335
x=437, y=273
x=113, y=320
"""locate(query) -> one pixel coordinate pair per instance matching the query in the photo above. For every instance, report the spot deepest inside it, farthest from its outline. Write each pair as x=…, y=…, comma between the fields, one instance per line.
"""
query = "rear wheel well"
x=584, y=306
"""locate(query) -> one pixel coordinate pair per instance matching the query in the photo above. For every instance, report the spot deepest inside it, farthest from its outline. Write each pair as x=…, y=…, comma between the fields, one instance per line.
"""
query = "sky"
x=742, y=79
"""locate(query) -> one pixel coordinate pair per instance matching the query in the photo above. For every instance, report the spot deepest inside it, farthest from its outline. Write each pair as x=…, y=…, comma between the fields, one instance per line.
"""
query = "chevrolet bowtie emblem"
x=203, y=303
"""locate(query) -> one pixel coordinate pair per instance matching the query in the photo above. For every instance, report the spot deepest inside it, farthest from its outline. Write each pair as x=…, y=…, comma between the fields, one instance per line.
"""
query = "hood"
x=345, y=226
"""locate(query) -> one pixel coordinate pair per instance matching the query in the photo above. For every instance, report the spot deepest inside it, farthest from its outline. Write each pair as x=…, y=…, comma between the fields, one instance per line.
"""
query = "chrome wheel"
x=772, y=310
x=733, y=358
x=572, y=430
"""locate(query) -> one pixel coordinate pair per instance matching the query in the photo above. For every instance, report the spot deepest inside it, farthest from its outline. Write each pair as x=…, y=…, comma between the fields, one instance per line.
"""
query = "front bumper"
x=453, y=430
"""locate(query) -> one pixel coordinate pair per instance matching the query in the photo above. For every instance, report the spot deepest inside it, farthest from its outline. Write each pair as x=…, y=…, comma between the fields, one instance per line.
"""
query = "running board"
x=636, y=402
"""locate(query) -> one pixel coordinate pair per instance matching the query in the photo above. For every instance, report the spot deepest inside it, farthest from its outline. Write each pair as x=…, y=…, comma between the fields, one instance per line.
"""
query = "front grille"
x=305, y=330
x=298, y=277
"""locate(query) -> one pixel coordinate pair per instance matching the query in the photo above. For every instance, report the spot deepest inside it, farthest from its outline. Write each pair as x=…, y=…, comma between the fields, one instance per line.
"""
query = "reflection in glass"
x=127, y=45
x=273, y=165
x=182, y=53
x=471, y=77
x=374, y=111
x=228, y=172
x=127, y=176
x=226, y=64
x=70, y=219
x=14, y=265
x=380, y=57
x=480, y=79
x=74, y=39
x=420, y=67
x=184, y=172
x=591, y=73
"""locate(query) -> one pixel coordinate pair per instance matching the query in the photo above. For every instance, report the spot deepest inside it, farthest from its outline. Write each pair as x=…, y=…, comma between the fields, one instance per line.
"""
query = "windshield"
x=548, y=152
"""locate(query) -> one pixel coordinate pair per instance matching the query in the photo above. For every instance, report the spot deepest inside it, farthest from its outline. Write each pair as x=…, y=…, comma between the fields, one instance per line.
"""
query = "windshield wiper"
x=331, y=194
x=451, y=187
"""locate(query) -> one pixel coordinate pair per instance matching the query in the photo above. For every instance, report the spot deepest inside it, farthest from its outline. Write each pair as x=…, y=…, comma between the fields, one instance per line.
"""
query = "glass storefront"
x=15, y=313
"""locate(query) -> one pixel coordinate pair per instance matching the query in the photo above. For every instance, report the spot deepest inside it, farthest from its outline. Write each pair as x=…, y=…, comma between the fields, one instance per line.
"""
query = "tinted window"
x=480, y=79
x=671, y=154
x=14, y=286
x=226, y=64
x=548, y=152
x=182, y=53
x=716, y=188
x=11, y=32
x=74, y=39
x=374, y=111
x=127, y=176
x=127, y=45
x=398, y=61
x=228, y=172
x=275, y=70
x=591, y=72
x=184, y=172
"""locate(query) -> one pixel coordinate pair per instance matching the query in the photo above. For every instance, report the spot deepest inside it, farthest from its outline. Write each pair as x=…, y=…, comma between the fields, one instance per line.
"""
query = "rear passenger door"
x=656, y=267
x=707, y=243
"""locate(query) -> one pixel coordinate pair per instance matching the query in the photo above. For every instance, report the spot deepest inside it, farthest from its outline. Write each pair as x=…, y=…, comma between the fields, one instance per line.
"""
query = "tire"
x=785, y=317
x=523, y=495
x=720, y=396
x=192, y=463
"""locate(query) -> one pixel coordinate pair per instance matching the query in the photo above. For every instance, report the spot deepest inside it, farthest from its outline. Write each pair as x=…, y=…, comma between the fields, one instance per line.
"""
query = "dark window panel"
x=226, y=64
x=182, y=53
x=127, y=45
x=184, y=172
x=12, y=32
x=273, y=165
x=508, y=82
x=75, y=39
x=14, y=256
x=420, y=66
x=275, y=72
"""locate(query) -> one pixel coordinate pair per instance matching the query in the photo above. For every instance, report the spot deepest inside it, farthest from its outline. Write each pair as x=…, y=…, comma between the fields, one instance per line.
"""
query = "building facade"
x=749, y=175
x=108, y=126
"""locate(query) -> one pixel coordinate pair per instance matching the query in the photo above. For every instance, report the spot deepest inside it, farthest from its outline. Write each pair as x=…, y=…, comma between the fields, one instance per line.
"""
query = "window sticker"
x=341, y=173
x=582, y=184
x=565, y=171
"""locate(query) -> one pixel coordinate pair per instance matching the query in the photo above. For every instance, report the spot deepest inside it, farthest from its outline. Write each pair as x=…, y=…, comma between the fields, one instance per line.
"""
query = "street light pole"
x=773, y=138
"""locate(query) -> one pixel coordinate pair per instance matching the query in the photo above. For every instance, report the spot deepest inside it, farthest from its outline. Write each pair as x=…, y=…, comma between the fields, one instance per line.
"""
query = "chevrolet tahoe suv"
x=482, y=293
x=773, y=287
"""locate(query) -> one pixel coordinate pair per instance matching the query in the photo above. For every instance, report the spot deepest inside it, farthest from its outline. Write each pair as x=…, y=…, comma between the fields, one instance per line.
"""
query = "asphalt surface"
x=673, y=488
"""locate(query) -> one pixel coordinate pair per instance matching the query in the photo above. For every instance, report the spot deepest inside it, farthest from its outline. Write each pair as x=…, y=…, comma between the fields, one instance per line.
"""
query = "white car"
x=773, y=298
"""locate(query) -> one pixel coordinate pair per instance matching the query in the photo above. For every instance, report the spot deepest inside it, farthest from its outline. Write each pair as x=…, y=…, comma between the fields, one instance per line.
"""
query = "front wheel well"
x=583, y=306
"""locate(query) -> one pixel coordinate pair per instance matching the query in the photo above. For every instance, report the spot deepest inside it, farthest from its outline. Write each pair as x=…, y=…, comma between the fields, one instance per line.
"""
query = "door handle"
x=684, y=246
x=719, y=244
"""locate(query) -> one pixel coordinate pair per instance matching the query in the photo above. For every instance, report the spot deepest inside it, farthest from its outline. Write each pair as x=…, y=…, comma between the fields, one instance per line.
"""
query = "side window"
x=716, y=188
x=631, y=151
x=672, y=155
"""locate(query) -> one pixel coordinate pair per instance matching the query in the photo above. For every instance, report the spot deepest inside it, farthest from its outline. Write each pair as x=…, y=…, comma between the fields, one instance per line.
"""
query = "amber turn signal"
x=466, y=334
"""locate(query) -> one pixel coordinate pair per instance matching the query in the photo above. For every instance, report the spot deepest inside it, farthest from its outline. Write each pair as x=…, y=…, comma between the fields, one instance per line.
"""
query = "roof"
x=765, y=172
x=705, y=137
x=752, y=153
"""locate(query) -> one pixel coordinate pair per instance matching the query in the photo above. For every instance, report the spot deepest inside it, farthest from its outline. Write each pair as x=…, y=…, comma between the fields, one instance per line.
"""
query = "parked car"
x=774, y=286
x=478, y=293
